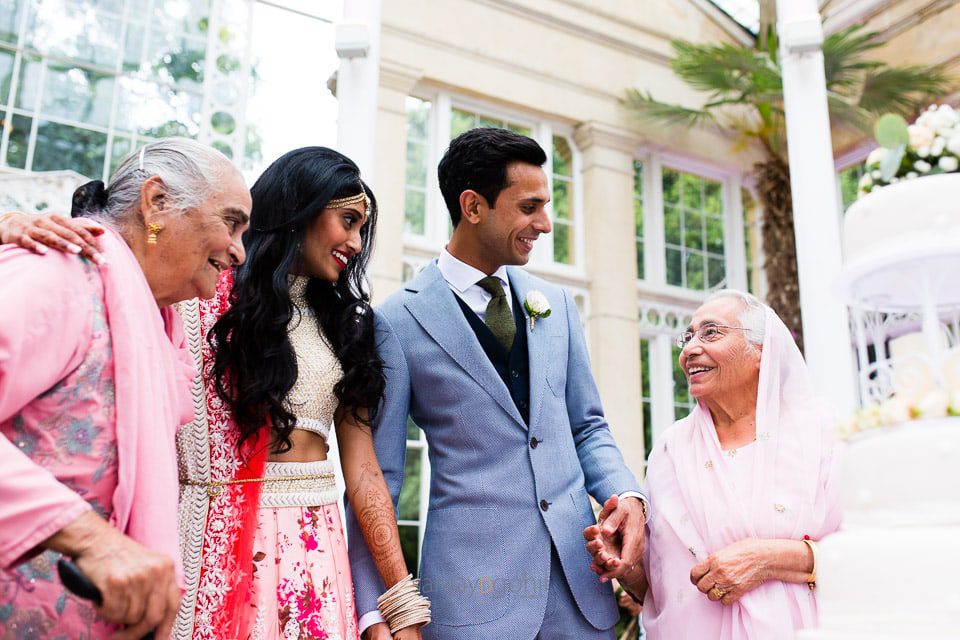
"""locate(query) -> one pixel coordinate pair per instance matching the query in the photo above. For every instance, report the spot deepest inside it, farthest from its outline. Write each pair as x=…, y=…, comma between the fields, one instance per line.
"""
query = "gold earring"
x=153, y=229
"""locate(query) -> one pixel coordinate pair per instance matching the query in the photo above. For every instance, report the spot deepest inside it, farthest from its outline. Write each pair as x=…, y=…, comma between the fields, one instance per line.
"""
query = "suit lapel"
x=436, y=310
x=537, y=343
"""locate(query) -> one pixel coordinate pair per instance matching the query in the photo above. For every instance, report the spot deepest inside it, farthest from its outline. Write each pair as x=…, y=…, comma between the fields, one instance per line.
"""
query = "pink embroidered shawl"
x=699, y=509
x=153, y=373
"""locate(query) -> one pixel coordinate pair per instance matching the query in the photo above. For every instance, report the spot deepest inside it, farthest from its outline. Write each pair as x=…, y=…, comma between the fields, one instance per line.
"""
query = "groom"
x=511, y=413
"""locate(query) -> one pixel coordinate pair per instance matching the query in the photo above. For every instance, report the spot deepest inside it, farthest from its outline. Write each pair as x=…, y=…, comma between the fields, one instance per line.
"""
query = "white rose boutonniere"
x=537, y=306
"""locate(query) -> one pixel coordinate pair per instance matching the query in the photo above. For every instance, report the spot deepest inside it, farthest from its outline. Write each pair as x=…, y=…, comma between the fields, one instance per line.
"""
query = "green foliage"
x=744, y=87
x=891, y=131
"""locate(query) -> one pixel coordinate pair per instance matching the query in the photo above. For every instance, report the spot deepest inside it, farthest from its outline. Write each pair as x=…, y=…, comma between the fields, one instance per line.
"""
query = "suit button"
x=534, y=443
x=544, y=505
x=523, y=404
x=515, y=373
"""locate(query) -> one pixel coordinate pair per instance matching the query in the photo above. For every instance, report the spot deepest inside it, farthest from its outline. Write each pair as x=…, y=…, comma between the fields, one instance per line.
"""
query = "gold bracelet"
x=812, y=578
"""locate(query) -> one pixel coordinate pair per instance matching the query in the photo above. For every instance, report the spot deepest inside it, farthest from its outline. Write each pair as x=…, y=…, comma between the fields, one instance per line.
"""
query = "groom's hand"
x=378, y=631
x=621, y=524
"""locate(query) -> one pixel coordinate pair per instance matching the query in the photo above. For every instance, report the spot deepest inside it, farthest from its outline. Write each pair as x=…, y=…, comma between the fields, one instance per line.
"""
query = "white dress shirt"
x=463, y=279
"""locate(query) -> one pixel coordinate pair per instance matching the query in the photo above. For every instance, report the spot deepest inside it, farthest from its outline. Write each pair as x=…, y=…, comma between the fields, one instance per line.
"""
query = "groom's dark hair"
x=478, y=160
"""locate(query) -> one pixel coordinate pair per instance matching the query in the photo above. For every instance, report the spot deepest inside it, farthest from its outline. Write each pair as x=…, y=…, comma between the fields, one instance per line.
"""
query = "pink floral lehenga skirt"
x=302, y=588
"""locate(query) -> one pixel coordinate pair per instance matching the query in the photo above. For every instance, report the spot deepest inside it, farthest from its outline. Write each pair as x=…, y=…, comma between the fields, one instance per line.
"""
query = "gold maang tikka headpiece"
x=337, y=203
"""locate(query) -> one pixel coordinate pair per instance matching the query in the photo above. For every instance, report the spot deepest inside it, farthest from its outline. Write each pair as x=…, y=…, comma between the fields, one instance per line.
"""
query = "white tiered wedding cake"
x=893, y=570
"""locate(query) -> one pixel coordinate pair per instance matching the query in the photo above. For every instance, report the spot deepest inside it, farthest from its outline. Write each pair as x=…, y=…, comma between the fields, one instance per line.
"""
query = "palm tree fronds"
x=902, y=89
x=721, y=69
x=647, y=107
x=844, y=113
x=843, y=52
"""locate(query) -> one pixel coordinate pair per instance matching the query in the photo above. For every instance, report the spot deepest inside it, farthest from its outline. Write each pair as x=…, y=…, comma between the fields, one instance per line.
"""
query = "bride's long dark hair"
x=255, y=366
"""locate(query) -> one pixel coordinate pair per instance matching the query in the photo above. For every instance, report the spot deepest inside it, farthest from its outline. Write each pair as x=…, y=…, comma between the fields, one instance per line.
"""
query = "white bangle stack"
x=402, y=605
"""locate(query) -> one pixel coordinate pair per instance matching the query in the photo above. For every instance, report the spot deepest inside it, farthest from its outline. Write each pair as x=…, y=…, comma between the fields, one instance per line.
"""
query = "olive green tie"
x=499, y=319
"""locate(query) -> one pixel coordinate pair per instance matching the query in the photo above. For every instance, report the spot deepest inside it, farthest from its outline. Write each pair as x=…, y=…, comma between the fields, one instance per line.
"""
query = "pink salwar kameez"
x=92, y=387
x=784, y=485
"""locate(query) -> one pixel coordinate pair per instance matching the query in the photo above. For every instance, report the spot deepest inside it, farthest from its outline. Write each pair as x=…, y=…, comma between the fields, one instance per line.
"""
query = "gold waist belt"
x=273, y=484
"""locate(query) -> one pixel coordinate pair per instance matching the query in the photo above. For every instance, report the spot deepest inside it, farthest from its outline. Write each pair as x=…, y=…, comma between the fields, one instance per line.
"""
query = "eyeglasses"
x=709, y=332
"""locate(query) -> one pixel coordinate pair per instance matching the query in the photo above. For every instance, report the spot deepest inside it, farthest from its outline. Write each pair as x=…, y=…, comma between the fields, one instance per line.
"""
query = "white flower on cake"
x=954, y=407
x=894, y=410
x=537, y=306
x=920, y=136
x=932, y=405
x=916, y=148
x=876, y=156
x=948, y=164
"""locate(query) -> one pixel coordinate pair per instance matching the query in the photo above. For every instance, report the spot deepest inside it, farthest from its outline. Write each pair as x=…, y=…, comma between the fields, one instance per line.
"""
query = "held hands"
x=731, y=572
x=616, y=541
x=36, y=233
x=139, y=586
x=380, y=631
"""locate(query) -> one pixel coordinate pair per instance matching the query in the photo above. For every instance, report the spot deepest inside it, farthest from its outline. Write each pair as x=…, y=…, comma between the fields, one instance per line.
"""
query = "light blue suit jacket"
x=485, y=563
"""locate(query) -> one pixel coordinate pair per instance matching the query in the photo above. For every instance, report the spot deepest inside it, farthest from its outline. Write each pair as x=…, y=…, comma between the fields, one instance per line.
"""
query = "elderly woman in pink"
x=94, y=381
x=742, y=488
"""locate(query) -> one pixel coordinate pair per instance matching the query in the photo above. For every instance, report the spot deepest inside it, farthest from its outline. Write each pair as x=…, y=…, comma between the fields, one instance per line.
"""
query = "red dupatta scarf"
x=217, y=522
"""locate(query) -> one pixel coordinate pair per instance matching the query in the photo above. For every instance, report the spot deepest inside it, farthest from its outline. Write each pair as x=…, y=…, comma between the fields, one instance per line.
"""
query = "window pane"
x=695, y=269
x=682, y=402
x=638, y=216
x=61, y=146
x=10, y=19
x=640, y=268
x=418, y=115
x=671, y=225
x=645, y=395
x=516, y=128
x=691, y=191
x=118, y=151
x=413, y=431
x=190, y=16
x=674, y=267
x=77, y=31
x=714, y=234
x=562, y=240
x=562, y=157
x=414, y=211
x=6, y=73
x=716, y=271
x=561, y=200
x=157, y=111
x=176, y=59
x=77, y=93
x=416, y=164
x=712, y=197
x=490, y=123
x=671, y=186
x=693, y=229
x=410, y=543
x=461, y=122
x=409, y=505
x=679, y=379
x=29, y=83
x=19, y=138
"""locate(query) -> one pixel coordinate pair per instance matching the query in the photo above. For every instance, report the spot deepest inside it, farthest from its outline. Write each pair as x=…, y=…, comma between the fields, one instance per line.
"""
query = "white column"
x=826, y=330
x=357, y=82
x=612, y=326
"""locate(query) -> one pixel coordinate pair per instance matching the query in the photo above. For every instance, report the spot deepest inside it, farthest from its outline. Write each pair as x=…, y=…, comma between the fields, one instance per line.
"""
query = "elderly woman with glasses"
x=741, y=488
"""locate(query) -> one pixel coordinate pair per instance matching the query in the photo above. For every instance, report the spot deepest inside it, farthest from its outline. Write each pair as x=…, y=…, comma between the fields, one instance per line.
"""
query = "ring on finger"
x=717, y=592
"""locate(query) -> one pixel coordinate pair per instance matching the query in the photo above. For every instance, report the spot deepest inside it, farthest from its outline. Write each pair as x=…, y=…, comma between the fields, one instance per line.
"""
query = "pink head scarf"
x=700, y=507
x=154, y=372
